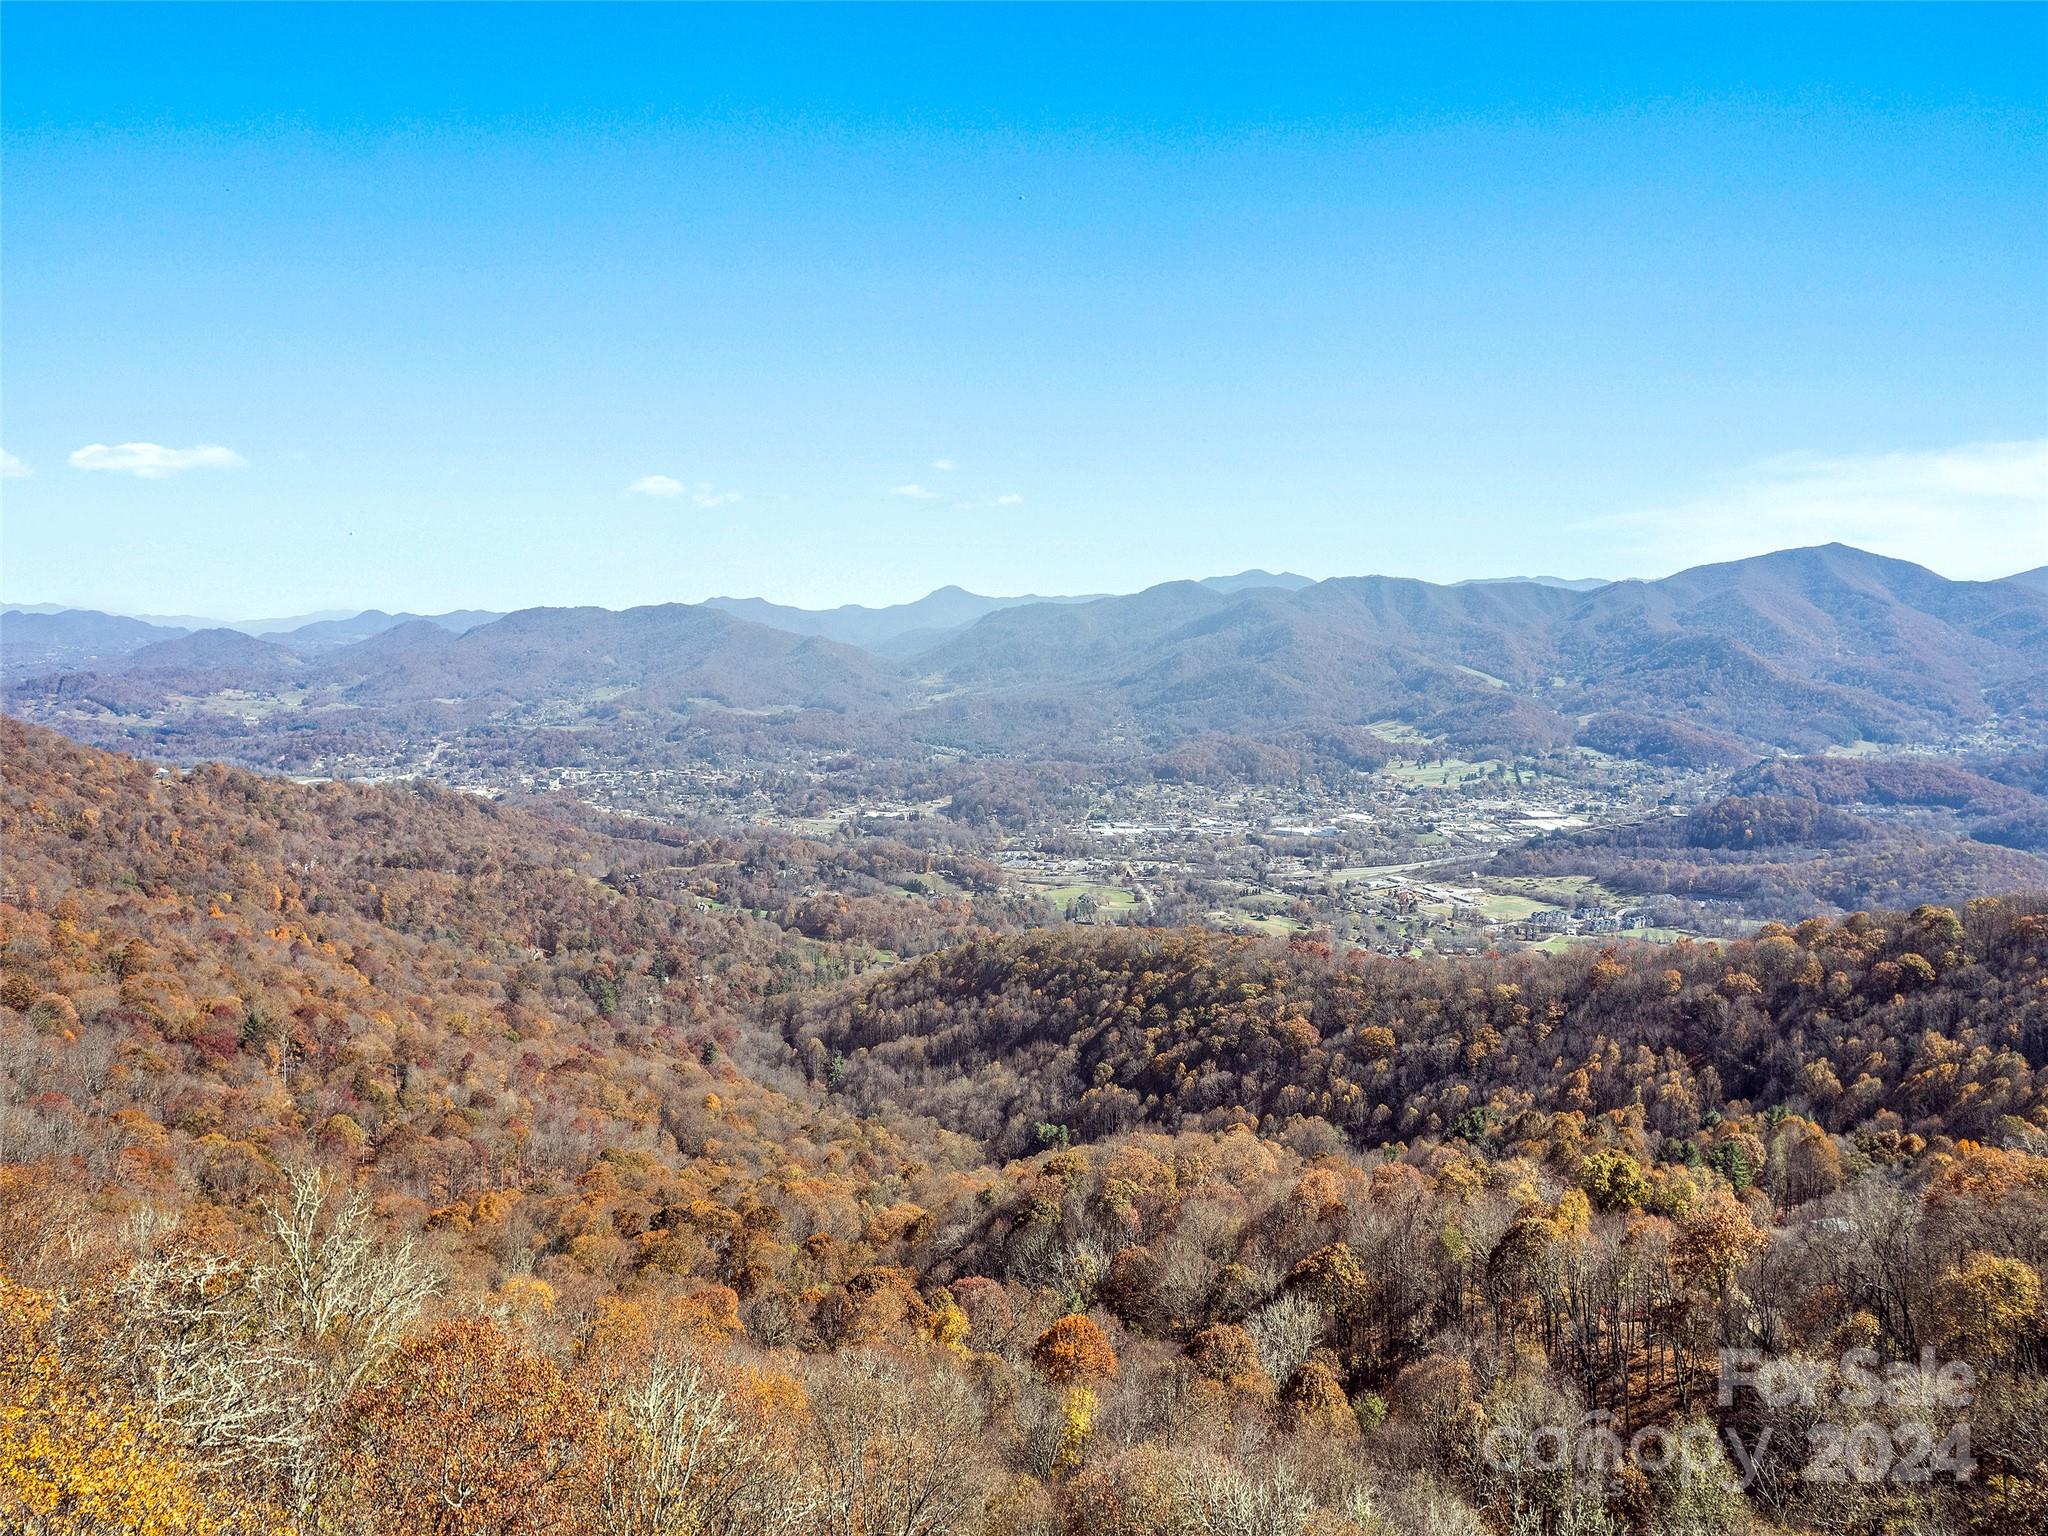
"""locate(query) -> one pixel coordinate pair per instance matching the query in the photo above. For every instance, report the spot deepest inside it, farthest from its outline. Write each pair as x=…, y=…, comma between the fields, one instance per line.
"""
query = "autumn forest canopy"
x=1010, y=770
x=387, y=1159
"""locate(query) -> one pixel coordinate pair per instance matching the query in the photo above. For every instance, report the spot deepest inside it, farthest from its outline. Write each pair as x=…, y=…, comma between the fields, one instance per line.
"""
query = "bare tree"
x=250, y=1353
x=895, y=1450
x=1225, y=1500
x=687, y=1464
x=1286, y=1330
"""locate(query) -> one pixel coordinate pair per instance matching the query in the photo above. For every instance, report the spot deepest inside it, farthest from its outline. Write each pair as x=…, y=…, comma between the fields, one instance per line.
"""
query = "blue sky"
x=311, y=307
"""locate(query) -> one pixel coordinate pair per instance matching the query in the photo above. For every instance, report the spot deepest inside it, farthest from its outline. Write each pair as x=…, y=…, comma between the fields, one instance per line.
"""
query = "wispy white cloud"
x=1009, y=499
x=1974, y=511
x=944, y=464
x=153, y=461
x=914, y=492
x=12, y=468
x=668, y=488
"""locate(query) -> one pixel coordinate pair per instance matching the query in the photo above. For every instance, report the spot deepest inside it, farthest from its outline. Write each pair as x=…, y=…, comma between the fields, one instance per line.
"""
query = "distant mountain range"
x=880, y=629
x=191, y=621
x=1798, y=651
x=1568, y=583
x=904, y=629
x=36, y=639
x=80, y=637
x=83, y=636
x=43, y=635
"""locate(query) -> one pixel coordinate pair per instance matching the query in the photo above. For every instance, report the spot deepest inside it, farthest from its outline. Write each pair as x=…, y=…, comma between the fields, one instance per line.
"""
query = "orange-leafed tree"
x=1715, y=1240
x=1225, y=1354
x=1073, y=1352
x=469, y=1432
x=1073, y=1355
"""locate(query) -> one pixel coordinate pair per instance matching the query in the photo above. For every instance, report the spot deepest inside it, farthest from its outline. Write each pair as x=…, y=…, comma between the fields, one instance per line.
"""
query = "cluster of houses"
x=1552, y=921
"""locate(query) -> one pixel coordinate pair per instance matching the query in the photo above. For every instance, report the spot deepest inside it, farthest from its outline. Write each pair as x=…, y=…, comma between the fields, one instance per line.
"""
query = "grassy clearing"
x=1279, y=927
x=1448, y=774
x=1484, y=677
x=1395, y=730
x=239, y=702
x=1272, y=924
x=1509, y=909
x=1555, y=890
x=1110, y=900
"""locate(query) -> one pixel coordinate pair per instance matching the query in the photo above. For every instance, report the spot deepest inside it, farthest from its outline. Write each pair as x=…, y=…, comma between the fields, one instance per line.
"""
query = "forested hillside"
x=387, y=1160
x=1917, y=1021
x=1784, y=853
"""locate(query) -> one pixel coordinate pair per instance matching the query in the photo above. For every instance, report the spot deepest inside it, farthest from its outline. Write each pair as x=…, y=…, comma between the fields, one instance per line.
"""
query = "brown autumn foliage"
x=1073, y=1352
x=675, y=1218
x=466, y=1430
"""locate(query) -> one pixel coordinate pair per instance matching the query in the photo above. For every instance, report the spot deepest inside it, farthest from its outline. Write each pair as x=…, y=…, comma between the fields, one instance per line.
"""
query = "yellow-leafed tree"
x=78, y=1458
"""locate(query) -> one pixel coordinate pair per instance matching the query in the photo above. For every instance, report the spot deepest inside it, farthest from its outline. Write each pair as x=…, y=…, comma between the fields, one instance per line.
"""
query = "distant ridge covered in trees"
x=1797, y=650
x=1930, y=1020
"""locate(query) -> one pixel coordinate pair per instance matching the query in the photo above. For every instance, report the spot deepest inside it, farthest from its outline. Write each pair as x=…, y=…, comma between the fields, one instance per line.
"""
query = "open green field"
x=1448, y=774
x=239, y=702
x=1505, y=908
x=1110, y=900
x=1396, y=730
x=1553, y=890
x=1271, y=923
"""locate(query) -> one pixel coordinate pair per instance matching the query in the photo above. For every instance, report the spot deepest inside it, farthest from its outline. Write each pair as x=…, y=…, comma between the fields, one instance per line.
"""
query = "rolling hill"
x=71, y=638
x=1790, y=652
x=654, y=657
x=1794, y=650
x=330, y=634
x=219, y=651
